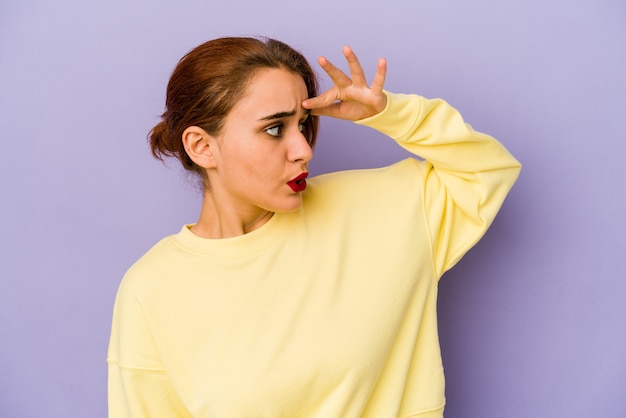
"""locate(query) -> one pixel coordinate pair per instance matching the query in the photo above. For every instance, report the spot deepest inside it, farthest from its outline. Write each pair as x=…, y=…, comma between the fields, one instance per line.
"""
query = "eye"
x=275, y=130
x=303, y=123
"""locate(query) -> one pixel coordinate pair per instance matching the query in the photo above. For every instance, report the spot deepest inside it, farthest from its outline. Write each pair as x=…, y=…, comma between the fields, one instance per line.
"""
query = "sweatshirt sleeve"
x=138, y=384
x=467, y=174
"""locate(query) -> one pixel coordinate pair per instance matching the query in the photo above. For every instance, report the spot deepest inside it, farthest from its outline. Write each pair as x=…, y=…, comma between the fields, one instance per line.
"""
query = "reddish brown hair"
x=210, y=79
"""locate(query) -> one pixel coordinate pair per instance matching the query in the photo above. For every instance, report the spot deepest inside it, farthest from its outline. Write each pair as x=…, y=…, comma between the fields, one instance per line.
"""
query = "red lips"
x=298, y=184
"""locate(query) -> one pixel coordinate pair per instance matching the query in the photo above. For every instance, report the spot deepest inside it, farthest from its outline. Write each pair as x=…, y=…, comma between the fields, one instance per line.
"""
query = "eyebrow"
x=280, y=115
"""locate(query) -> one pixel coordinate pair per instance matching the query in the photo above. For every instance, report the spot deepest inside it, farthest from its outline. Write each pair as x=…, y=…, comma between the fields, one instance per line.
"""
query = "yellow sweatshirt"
x=327, y=312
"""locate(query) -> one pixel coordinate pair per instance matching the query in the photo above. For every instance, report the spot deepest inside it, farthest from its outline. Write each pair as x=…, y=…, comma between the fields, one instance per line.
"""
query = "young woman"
x=292, y=297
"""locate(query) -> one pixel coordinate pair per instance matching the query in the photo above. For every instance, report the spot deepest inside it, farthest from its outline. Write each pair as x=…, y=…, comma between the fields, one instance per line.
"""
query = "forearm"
x=435, y=131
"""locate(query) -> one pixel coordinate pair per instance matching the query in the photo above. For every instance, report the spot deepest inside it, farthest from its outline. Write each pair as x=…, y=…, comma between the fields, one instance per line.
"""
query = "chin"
x=293, y=204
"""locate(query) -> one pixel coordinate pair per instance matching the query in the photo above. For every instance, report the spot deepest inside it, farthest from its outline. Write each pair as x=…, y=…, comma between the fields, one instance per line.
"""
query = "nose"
x=299, y=148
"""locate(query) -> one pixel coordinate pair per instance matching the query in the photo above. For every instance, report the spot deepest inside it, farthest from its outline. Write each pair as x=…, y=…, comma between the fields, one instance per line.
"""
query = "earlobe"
x=199, y=146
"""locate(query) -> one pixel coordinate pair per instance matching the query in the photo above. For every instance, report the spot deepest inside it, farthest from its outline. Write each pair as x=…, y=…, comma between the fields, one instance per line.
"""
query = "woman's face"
x=261, y=151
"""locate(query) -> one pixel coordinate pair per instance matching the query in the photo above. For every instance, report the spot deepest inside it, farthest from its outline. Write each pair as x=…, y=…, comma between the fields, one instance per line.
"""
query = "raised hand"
x=350, y=98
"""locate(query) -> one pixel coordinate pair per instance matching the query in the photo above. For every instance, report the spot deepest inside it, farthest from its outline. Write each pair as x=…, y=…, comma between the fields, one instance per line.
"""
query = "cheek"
x=255, y=164
x=265, y=156
x=253, y=158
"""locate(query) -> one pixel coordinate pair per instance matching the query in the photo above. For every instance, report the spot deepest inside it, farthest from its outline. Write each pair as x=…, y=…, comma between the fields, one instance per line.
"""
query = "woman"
x=296, y=298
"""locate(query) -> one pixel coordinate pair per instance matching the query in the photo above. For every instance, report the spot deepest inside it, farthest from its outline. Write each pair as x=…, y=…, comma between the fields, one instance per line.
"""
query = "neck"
x=220, y=220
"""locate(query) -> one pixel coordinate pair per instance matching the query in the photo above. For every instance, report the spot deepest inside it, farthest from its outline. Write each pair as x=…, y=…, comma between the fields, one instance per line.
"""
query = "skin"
x=261, y=146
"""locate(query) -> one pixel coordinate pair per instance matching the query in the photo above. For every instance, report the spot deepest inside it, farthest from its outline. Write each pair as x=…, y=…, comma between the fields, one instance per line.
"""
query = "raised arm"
x=466, y=174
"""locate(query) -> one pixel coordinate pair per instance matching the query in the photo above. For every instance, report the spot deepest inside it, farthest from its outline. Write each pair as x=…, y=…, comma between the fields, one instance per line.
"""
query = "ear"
x=200, y=146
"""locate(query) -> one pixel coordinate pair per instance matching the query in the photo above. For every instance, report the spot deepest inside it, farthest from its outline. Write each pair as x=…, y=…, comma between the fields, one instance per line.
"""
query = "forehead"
x=273, y=90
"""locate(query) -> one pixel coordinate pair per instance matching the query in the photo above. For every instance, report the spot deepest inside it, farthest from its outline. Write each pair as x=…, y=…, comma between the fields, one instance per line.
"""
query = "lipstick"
x=298, y=184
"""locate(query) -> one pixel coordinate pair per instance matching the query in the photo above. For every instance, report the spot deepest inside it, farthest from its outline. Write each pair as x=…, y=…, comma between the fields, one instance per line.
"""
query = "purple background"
x=533, y=320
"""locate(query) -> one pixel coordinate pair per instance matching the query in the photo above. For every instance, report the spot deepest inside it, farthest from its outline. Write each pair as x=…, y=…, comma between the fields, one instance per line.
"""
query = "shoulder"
x=370, y=184
x=150, y=268
x=368, y=195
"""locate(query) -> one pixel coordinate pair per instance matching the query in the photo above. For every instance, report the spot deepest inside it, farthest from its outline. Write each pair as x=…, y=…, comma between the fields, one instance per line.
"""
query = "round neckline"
x=240, y=246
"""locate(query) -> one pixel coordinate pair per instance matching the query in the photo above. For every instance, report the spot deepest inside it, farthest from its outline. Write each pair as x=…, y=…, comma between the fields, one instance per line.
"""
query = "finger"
x=379, y=79
x=332, y=110
x=323, y=100
x=338, y=77
x=356, y=70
